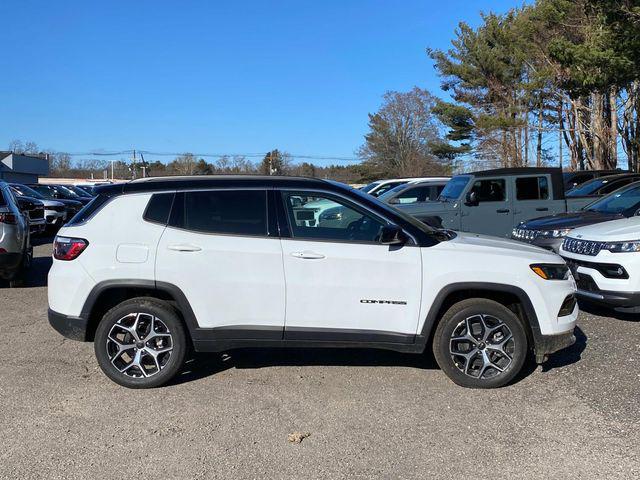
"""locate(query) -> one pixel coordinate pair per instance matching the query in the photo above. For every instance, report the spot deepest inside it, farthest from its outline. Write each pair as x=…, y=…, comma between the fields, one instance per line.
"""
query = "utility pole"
x=560, y=132
x=133, y=166
x=143, y=166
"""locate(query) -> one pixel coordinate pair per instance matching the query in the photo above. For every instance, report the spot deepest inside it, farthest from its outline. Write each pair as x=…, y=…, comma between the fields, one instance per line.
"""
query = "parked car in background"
x=55, y=211
x=90, y=188
x=79, y=191
x=15, y=240
x=605, y=260
x=603, y=185
x=34, y=210
x=412, y=192
x=128, y=273
x=58, y=192
x=573, y=179
x=379, y=187
x=493, y=202
x=548, y=232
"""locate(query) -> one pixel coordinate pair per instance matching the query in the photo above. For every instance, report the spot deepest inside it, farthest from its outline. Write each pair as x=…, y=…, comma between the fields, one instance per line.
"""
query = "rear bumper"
x=74, y=328
x=548, y=344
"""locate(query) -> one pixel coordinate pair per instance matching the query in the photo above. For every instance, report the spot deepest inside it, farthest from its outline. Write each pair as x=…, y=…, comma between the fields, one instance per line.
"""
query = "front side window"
x=231, y=212
x=386, y=187
x=315, y=216
x=532, y=188
x=490, y=190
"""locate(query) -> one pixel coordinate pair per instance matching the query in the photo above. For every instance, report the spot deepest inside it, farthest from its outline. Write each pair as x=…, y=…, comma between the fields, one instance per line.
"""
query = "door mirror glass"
x=392, y=235
x=472, y=199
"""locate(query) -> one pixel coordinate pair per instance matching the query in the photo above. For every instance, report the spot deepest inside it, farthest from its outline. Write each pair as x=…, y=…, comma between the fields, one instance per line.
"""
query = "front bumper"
x=74, y=328
x=611, y=299
x=548, y=344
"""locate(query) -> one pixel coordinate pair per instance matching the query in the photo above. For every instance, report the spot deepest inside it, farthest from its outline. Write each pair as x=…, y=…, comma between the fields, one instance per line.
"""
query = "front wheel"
x=141, y=343
x=480, y=343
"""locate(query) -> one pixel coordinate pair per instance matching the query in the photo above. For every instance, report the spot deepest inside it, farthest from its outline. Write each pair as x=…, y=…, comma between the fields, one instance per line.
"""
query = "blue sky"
x=213, y=76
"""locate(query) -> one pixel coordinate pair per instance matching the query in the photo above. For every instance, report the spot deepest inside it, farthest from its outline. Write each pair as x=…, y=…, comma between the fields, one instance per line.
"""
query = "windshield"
x=388, y=186
x=392, y=192
x=371, y=186
x=29, y=192
x=66, y=192
x=618, y=201
x=454, y=187
x=587, y=188
x=79, y=191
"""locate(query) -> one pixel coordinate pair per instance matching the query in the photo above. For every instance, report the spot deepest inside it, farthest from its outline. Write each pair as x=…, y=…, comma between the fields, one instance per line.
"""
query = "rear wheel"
x=480, y=343
x=141, y=343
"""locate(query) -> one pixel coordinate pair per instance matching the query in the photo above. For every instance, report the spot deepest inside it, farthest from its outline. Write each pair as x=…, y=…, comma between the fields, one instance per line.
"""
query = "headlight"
x=622, y=247
x=556, y=233
x=551, y=271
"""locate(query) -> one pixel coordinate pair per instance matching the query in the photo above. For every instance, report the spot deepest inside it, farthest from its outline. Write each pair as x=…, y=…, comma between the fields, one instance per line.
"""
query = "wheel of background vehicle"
x=18, y=279
x=480, y=343
x=141, y=343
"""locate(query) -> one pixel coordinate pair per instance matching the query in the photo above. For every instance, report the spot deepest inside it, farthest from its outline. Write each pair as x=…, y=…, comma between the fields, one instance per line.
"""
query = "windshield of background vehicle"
x=618, y=201
x=454, y=187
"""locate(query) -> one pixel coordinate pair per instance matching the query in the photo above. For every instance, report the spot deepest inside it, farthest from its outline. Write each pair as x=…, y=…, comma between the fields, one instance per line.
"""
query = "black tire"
x=18, y=279
x=450, y=338
x=172, y=332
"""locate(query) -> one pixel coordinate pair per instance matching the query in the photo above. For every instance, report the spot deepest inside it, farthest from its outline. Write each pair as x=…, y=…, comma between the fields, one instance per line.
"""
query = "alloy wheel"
x=482, y=346
x=139, y=345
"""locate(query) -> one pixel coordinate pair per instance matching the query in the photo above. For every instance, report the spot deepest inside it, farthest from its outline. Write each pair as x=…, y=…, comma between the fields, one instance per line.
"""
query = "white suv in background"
x=605, y=260
x=154, y=267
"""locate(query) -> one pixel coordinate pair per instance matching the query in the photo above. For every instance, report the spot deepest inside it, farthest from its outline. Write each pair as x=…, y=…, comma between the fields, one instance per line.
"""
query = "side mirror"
x=392, y=235
x=472, y=199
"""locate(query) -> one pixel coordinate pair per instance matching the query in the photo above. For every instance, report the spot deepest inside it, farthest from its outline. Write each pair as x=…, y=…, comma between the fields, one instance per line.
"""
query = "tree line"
x=557, y=77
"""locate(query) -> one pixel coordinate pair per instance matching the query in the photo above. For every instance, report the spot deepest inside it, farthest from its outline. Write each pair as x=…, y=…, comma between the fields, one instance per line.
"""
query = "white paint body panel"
x=229, y=281
x=327, y=292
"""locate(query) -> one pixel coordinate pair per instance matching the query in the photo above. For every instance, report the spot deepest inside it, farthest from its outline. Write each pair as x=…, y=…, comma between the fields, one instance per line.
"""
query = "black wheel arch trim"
x=432, y=317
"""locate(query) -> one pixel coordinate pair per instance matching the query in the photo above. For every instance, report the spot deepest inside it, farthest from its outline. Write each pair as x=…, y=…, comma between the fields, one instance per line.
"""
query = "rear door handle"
x=502, y=210
x=183, y=247
x=542, y=209
x=307, y=255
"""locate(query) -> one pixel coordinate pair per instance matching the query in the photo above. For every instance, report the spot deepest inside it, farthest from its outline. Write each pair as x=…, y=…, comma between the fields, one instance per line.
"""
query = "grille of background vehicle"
x=524, y=234
x=582, y=247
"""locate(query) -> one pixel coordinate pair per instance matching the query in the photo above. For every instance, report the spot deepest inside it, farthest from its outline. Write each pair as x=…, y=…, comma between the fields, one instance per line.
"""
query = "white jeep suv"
x=154, y=268
x=605, y=260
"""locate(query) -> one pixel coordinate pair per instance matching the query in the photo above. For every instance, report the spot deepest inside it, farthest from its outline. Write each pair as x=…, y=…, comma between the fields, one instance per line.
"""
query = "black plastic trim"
x=74, y=328
x=432, y=316
x=346, y=335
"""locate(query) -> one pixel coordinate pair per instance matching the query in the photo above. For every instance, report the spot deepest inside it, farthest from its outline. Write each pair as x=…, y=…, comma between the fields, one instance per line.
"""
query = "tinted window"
x=435, y=193
x=490, y=190
x=89, y=210
x=532, y=188
x=159, y=208
x=235, y=212
x=616, y=185
x=386, y=187
x=618, y=202
x=327, y=218
x=3, y=202
x=415, y=194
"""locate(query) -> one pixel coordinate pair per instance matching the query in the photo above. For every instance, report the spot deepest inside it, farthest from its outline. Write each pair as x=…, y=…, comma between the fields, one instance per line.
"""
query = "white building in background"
x=15, y=167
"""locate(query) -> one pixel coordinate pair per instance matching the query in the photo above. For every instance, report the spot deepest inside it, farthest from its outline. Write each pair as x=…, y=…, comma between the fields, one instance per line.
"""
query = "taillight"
x=8, y=218
x=65, y=248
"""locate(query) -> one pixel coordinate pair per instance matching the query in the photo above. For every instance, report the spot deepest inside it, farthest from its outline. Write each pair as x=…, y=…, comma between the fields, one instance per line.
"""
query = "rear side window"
x=532, y=188
x=89, y=210
x=231, y=212
x=159, y=208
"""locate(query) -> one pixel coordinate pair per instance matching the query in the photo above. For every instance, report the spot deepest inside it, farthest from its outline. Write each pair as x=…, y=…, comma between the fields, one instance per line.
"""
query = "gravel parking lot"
x=369, y=413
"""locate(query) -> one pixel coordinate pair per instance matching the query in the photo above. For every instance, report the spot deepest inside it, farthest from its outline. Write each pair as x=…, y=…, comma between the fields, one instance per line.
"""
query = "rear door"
x=493, y=214
x=218, y=249
x=533, y=197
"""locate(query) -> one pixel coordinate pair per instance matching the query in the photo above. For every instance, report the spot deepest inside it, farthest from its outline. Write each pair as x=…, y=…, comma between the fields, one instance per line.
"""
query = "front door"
x=342, y=284
x=493, y=214
x=217, y=251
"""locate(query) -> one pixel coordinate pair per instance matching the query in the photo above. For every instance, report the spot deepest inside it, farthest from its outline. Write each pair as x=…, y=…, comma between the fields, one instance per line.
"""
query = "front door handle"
x=183, y=247
x=502, y=210
x=307, y=255
x=542, y=209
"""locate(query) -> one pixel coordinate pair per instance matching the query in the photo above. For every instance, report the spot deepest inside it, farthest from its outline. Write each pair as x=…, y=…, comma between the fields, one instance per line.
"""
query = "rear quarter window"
x=89, y=210
x=159, y=208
